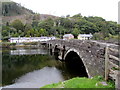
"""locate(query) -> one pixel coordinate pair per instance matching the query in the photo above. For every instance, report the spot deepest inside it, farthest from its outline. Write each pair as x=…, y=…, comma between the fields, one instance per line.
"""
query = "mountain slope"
x=12, y=11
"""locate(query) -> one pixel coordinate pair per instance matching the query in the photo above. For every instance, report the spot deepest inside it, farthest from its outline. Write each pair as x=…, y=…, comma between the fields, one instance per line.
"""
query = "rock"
x=103, y=83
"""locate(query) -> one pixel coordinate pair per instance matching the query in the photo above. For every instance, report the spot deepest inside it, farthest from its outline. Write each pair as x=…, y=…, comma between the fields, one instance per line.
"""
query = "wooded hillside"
x=19, y=21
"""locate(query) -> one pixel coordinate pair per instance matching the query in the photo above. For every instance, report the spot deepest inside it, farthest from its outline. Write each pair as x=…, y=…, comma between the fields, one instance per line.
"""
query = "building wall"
x=31, y=39
x=83, y=37
x=68, y=37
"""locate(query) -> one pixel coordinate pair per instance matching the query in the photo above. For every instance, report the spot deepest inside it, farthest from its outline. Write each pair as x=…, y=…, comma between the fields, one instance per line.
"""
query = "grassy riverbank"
x=96, y=82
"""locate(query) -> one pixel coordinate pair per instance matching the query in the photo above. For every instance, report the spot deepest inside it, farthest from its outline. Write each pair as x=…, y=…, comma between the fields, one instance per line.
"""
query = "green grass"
x=82, y=83
x=54, y=85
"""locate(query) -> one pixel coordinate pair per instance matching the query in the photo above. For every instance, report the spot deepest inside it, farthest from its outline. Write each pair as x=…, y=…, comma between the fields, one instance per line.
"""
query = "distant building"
x=29, y=39
x=85, y=36
x=68, y=36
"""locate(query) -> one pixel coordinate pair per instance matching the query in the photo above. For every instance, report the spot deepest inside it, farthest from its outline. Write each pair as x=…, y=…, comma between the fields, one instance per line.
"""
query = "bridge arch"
x=72, y=56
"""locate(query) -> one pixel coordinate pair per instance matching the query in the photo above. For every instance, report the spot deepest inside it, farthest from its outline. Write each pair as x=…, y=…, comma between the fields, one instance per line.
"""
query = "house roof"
x=67, y=35
x=14, y=38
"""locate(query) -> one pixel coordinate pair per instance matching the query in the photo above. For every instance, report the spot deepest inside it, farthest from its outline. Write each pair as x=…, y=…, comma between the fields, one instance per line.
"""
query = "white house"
x=85, y=36
x=68, y=36
x=29, y=39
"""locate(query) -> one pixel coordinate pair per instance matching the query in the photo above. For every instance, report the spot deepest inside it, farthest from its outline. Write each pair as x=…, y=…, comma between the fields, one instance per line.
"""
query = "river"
x=32, y=68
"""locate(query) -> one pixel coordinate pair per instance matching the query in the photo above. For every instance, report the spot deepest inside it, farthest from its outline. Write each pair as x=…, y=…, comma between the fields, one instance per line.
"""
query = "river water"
x=32, y=68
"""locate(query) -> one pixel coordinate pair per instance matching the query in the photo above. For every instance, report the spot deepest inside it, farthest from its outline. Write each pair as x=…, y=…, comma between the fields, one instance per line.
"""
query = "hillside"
x=12, y=11
x=30, y=24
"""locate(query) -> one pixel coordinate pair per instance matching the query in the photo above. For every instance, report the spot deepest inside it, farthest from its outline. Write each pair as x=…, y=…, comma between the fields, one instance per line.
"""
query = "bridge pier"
x=56, y=52
x=51, y=50
x=63, y=52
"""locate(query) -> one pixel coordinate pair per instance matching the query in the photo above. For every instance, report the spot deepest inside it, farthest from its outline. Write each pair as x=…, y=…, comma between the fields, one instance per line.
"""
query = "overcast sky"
x=108, y=9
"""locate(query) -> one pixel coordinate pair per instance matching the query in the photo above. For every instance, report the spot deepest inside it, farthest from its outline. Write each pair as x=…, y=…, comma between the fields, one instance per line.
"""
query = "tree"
x=35, y=23
x=67, y=16
x=5, y=33
x=27, y=28
x=94, y=19
x=17, y=24
x=75, y=32
x=118, y=30
x=98, y=36
x=43, y=32
x=77, y=16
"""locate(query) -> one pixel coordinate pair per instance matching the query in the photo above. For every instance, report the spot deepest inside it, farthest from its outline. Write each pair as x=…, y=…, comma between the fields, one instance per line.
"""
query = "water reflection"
x=28, y=51
x=38, y=78
x=32, y=68
x=21, y=64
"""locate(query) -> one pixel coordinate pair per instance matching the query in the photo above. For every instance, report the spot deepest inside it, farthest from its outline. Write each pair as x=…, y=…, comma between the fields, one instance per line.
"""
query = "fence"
x=112, y=69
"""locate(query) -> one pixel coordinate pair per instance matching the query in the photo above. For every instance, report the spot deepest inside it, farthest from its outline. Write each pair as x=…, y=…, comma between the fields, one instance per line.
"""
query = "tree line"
x=77, y=24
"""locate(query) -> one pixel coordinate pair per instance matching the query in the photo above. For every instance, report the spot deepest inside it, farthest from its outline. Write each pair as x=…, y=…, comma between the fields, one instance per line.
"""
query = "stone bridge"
x=90, y=54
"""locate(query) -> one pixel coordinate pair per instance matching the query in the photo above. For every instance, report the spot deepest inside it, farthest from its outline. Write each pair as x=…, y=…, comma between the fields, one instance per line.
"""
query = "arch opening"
x=75, y=65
